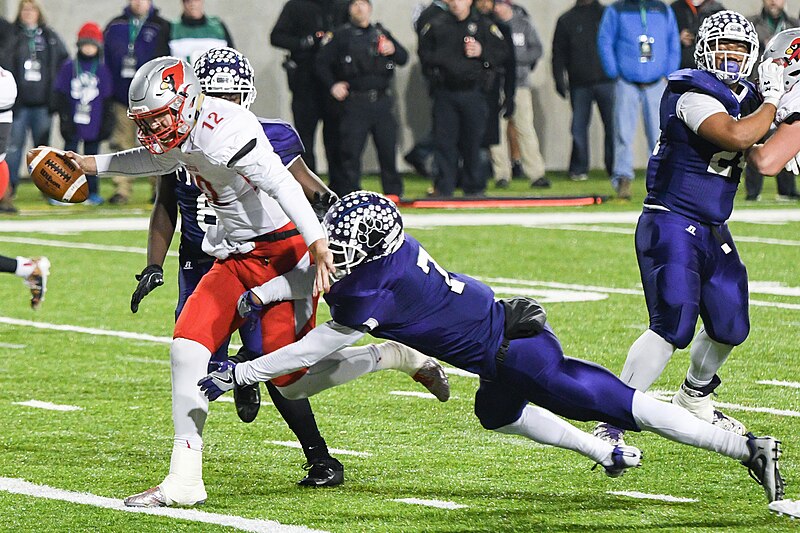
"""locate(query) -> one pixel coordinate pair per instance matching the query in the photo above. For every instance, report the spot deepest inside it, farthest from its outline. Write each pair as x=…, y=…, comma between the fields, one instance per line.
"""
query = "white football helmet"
x=785, y=47
x=165, y=86
x=726, y=27
x=226, y=71
x=362, y=226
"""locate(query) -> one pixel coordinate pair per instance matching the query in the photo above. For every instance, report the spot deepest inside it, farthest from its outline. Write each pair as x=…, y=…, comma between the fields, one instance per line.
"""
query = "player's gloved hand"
x=249, y=306
x=219, y=381
x=770, y=81
x=322, y=202
x=793, y=165
x=151, y=277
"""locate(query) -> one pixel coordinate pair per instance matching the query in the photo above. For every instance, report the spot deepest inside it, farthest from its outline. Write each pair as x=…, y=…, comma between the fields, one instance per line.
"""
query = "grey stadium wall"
x=250, y=22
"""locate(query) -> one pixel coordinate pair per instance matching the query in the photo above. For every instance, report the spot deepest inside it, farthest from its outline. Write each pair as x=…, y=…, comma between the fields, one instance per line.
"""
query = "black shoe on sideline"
x=327, y=472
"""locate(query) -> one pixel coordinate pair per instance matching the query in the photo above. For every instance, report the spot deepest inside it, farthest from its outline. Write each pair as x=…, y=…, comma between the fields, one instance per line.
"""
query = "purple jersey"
x=197, y=215
x=688, y=174
x=407, y=297
x=87, y=84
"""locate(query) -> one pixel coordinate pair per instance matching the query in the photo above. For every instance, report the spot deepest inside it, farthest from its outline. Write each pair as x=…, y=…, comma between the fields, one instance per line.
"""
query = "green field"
x=119, y=442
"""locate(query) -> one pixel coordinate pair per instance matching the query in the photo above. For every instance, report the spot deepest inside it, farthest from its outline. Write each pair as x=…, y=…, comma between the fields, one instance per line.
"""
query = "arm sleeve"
x=319, y=343
x=560, y=57
x=400, y=56
x=135, y=162
x=284, y=35
x=693, y=108
x=296, y=284
x=606, y=35
x=325, y=61
x=534, y=45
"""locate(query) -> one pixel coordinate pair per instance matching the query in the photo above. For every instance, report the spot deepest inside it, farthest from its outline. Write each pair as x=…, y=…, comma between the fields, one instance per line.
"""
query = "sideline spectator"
x=132, y=39
x=357, y=65
x=773, y=19
x=462, y=51
x=639, y=46
x=577, y=69
x=194, y=33
x=300, y=29
x=37, y=53
x=82, y=98
x=519, y=115
x=690, y=14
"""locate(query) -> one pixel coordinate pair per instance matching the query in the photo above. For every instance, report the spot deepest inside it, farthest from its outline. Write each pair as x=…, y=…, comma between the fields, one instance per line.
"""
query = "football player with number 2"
x=257, y=204
x=687, y=258
x=389, y=286
x=226, y=73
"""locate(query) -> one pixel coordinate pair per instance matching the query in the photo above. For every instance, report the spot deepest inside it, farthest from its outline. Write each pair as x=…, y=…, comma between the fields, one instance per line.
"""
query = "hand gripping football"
x=56, y=175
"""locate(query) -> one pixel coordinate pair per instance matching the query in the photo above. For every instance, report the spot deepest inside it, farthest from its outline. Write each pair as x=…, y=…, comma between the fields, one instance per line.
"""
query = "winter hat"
x=90, y=33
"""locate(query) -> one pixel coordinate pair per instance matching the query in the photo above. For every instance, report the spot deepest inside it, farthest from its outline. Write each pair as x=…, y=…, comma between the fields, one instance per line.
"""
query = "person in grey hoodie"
x=528, y=50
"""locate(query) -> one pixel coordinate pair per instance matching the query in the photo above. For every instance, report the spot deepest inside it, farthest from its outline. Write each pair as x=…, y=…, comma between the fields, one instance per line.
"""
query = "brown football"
x=56, y=175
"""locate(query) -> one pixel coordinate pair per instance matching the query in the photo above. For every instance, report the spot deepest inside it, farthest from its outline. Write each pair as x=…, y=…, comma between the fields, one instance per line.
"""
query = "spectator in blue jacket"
x=131, y=40
x=639, y=46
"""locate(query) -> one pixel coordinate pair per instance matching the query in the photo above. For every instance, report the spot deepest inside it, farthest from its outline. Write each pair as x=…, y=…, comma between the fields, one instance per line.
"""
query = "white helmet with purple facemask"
x=721, y=28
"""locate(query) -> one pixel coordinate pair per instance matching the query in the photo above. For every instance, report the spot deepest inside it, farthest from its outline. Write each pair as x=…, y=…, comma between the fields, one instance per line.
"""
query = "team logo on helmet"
x=793, y=52
x=172, y=78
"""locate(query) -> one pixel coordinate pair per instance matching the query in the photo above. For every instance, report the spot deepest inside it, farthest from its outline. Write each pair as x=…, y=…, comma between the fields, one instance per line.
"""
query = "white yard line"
x=413, y=394
x=439, y=504
x=81, y=245
x=646, y=496
x=293, y=444
x=11, y=346
x=411, y=220
x=19, y=486
x=791, y=384
x=666, y=396
x=48, y=406
x=81, y=329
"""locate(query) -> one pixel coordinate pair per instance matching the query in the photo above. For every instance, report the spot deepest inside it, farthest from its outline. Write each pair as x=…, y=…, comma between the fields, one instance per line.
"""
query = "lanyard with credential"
x=134, y=27
x=643, y=15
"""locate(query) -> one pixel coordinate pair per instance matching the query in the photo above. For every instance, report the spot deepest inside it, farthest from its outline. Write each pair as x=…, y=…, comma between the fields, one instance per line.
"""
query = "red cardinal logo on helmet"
x=793, y=52
x=172, y=78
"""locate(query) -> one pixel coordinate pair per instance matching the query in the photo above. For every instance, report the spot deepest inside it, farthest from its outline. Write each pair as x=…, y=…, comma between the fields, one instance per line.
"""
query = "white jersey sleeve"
x=296, y=284
x=8, y=95
x=789, y=106
x=693, y=108
x=135, y=162
x=239, y=143
x=318, y=344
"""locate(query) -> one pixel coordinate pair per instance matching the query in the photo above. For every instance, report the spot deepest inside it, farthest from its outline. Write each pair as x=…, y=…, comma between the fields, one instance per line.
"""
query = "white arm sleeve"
x=789, y=106
x=693, y=108
x=296, y=284
x=318, y=344
x=264, y=169
x=8, y=95
x=135, y=162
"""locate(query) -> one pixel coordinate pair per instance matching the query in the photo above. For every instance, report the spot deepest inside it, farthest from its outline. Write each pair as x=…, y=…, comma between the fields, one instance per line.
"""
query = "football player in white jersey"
x=262, y=215
x=782, y=149
x=33, y=271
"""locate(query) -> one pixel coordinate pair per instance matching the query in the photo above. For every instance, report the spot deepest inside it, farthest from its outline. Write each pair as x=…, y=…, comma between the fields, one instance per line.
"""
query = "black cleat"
x=247, y=399
x=327, y=472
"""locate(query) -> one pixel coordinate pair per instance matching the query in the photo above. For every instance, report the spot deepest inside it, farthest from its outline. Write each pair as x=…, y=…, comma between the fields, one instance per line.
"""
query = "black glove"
x=322, y=202
x=508, y=108
x=151, y=277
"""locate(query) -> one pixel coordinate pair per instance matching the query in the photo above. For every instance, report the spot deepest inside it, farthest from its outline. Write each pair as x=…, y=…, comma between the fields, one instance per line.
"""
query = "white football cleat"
x=623, y=458
x=433, y=378
x=611, y=434
x=155, y=497
x=698, y=402
x=790, y=508
x=763, y=465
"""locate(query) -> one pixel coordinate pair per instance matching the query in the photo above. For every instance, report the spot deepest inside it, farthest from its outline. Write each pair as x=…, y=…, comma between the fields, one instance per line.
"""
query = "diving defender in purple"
x=389, y=286
x=690, y=267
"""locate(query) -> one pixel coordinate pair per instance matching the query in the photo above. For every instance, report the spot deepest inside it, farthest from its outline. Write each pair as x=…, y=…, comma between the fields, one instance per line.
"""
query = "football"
x=56, y=175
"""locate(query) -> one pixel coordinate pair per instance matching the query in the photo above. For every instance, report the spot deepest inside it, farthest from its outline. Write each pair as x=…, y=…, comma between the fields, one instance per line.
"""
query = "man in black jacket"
x=577, y=70
x=300, y=29
x=461, y=51
x=690, y=14
x=356, y=65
